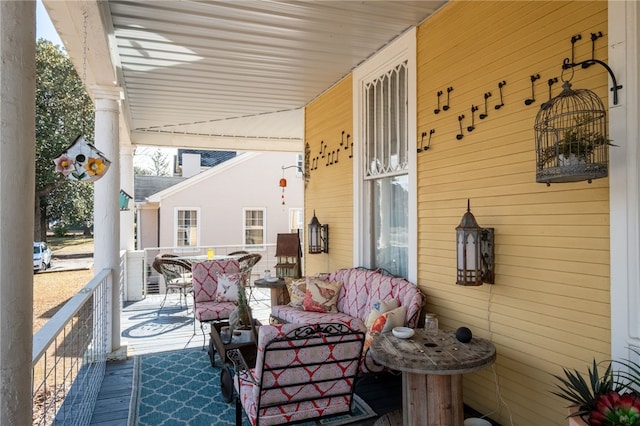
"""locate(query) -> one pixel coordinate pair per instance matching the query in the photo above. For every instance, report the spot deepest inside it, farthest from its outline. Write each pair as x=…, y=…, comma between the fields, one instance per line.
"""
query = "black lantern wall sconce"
x=318, y=236
x=474, y=252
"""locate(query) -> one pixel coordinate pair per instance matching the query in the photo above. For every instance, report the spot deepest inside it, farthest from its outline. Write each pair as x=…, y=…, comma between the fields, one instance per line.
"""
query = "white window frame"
x=264, y=228
x=186, y=249
x=402, y=49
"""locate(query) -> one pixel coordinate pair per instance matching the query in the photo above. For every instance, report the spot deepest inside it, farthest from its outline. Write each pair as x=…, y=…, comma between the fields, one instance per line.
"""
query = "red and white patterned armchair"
x=207, y=303
x=302, y=373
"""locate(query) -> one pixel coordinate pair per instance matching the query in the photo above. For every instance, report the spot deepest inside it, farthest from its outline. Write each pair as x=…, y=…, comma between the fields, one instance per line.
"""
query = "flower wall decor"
x=82, y=161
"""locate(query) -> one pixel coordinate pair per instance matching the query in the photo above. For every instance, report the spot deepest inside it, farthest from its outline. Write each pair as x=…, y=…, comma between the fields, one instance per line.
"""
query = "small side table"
x=279, y=293
x=432, y=369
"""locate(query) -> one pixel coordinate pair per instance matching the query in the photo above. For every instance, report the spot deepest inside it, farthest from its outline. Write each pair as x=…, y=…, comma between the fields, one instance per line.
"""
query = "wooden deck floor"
x=145, y=330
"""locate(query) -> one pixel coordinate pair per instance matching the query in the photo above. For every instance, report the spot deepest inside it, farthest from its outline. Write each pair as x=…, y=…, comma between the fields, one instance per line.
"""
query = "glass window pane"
x=390, y=214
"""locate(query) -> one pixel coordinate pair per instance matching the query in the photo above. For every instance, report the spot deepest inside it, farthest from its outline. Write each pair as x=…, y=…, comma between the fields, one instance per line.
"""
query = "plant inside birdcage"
x=575, y=145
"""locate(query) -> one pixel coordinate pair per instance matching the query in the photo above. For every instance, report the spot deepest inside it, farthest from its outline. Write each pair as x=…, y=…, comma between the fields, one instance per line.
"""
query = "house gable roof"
x=144, y=186
x=220, y=168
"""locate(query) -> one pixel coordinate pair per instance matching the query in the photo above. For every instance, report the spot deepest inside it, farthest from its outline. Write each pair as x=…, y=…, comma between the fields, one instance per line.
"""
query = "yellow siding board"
x=329, y=190
x=550, y=305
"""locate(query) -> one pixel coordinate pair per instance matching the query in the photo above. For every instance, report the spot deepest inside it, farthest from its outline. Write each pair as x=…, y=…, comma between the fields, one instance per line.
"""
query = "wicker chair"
x=177, y=276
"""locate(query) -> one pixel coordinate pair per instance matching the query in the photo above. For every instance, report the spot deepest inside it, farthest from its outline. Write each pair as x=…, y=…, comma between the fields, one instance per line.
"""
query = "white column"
x=126, y=184
x=107, y=202
x=17, y=192
x=624, y=177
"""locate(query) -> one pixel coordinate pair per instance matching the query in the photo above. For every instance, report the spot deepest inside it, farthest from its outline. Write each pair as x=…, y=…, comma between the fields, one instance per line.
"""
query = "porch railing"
x=153, y=283
x=69, y=356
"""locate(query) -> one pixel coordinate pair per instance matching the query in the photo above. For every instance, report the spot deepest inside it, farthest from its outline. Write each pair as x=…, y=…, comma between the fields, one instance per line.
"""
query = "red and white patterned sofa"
x=301, y=373
x=361, y=290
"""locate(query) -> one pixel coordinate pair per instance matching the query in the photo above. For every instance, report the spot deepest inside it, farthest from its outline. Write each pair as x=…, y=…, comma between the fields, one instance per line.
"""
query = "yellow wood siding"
x=549, y=307
x=329, y=190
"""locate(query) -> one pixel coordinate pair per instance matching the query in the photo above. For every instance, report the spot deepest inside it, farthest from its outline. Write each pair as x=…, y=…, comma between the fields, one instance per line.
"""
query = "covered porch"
x=287, y=76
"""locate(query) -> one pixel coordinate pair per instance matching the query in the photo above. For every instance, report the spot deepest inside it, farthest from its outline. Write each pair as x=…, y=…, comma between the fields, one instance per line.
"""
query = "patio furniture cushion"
x=379, y=308
x=361, y=290
x=228, y=285
x=205, y=285
x=297, y=290
x=290, y=314
x=301, y=373
x=321, y=295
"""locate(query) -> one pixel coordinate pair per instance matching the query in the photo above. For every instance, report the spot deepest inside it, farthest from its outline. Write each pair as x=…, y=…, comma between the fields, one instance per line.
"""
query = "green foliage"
x=63, y=111
x=581, y=141
x=584, y=393
x=602, y=395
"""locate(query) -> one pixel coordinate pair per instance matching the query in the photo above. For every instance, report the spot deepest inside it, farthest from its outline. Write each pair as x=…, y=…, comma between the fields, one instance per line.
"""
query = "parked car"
x=41, y=256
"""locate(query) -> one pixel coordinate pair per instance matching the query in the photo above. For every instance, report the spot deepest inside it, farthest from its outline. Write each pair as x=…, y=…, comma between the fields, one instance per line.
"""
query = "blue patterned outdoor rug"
x=181, y=388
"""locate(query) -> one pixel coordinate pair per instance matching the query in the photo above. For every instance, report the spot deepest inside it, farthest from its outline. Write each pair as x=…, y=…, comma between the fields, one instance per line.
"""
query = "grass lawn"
x=51, y=290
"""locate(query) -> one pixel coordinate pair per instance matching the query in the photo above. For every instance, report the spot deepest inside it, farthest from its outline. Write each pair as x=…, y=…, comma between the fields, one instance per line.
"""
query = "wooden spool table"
x=279, y=293
x=432, y=369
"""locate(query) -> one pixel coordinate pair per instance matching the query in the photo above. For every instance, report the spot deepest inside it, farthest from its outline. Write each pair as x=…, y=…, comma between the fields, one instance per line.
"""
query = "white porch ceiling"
x=226, y=74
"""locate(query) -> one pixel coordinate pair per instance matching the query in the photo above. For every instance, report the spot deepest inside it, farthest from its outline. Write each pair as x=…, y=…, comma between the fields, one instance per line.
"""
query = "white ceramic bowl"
x=402, y=332
x=272, y=279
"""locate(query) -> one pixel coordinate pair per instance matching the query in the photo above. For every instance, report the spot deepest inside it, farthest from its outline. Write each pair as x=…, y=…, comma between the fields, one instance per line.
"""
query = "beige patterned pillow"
x=297, y=289
x=321, y=296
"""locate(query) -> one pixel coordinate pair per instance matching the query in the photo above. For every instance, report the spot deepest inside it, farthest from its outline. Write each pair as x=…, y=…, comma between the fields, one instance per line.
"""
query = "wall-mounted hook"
x=324, y=150
x=337, y=152
x=594, y=37
x=500, y=86
x=460, y=135
x=574, y=39
x=474, y=108
x=342, y=139
x=321, y=145
x=446, y=107
x=532, y=99
x=437, y=110
x=585, y=64
x=485, y=114
x=349, y=146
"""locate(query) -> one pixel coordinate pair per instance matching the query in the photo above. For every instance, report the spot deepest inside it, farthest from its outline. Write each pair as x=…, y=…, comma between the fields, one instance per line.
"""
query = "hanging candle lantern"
x=82, y=161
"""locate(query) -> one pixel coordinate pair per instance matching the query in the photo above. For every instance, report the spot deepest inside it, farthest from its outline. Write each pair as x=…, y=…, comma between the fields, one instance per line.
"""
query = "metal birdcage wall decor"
x=571, y=138
x=571, y=129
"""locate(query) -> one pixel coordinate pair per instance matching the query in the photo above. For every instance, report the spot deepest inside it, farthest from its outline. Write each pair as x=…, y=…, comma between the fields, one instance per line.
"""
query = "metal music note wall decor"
x=474, y=108
x=446, y=107
x=486, y=112
x=424, y=148
x=500, y=86
x=331, y=156
x=460, y=135
x=437, y=110
x=532, y=99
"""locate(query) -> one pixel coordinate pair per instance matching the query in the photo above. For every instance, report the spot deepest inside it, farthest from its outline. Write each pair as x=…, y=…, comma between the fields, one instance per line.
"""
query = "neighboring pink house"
x=237, y=202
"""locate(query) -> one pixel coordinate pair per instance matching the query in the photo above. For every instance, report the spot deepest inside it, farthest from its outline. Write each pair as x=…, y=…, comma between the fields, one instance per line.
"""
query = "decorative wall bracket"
x=570, y=64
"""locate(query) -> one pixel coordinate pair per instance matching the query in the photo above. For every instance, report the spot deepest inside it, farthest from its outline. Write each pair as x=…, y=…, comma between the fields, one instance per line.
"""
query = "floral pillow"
x=388, y=320
x=379, y=308
x=321, y=296
x=228, y=285
x=297, y=290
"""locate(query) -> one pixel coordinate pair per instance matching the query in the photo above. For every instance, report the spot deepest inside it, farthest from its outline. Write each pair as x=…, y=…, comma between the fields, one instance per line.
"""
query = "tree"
x=159, y=163
x=63, y=111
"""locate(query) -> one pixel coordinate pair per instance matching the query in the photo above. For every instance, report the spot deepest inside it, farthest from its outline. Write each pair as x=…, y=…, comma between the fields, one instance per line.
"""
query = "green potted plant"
x=576, y=145
x=607, y=399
